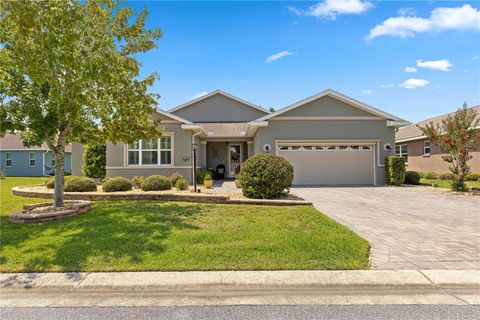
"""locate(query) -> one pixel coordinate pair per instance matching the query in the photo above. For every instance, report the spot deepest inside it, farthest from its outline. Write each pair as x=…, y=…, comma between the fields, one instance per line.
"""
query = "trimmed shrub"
x=117, y=184
x=94, y=161
x=412, y=177
x=265, y=176
x=80, y=184
x=395, y=170
x=156, y=183
x=207, y=177
x=472, y=177
x=50, y=183
x=445, y=176
x=174, y=178
x=430, y=175
x=201, y=174
x=137, y=181
x=181, y=184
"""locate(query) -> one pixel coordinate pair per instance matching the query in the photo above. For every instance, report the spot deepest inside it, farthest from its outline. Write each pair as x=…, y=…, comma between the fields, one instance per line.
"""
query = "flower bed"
x=168, y=195
x=40, y=212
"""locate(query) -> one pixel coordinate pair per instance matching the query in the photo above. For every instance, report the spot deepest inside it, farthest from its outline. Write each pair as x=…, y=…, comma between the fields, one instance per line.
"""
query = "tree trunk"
x=59, y=176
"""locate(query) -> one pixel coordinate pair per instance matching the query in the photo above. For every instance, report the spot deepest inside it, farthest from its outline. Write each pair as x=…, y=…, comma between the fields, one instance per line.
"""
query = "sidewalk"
x=240, y=288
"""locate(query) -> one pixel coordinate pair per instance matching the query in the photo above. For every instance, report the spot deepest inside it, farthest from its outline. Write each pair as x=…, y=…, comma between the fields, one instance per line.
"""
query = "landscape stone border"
x=26, y=191
x=26, y=216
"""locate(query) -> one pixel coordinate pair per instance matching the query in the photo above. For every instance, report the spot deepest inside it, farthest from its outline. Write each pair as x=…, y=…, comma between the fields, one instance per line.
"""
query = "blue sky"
x=360, y=48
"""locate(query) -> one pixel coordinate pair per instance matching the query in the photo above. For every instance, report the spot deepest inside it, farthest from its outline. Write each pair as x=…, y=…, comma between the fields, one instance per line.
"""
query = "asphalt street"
x=413, y=312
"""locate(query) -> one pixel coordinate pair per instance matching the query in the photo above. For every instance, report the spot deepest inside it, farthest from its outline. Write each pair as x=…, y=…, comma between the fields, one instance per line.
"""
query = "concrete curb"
x=226, y=288
x=198, y=280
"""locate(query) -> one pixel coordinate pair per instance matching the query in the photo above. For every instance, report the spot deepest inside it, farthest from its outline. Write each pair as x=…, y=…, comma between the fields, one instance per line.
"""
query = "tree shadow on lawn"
x=113, y=235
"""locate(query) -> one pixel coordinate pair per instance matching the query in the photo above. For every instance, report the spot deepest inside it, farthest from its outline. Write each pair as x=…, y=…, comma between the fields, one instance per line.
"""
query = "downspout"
x=43, y=163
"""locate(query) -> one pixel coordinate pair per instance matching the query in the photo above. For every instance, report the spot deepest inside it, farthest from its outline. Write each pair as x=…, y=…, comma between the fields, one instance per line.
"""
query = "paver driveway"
x=408, y=227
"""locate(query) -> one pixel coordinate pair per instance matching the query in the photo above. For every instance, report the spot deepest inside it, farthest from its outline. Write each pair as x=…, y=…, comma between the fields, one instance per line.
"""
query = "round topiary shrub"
x=265, y=176
x=137, y=181
x=50, y=183
x=175, y=177
x=117, y=184
x=412, y=177
x=181, y=184
x=80, y=184
x=156, y=183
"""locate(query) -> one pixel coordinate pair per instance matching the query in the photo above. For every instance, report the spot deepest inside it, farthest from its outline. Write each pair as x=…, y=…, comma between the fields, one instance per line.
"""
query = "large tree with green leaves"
x=457, y=137
x=68, y=72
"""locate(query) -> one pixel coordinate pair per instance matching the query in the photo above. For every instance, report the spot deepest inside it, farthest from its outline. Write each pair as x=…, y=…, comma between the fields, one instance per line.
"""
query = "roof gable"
x=340, y=108
x=219, y=106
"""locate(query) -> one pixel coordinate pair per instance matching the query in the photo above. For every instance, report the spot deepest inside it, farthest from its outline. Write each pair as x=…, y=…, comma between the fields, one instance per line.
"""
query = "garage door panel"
x=331, y=167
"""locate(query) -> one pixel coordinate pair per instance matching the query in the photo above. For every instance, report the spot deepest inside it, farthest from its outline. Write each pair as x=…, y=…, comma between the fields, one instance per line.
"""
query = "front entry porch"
x=225, y=158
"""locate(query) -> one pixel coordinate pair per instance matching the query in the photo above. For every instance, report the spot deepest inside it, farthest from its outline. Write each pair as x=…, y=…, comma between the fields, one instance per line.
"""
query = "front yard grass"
x=446, y=183
x=140, y=236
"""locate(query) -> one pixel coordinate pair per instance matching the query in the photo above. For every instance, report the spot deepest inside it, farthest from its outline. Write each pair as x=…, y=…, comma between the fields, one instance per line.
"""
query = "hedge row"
x=395, y=170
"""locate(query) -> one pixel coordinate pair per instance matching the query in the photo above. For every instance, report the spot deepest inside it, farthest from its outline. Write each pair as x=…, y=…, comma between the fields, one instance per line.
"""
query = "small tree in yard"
x=456, y=137
x=68, y=72
x=94, y=161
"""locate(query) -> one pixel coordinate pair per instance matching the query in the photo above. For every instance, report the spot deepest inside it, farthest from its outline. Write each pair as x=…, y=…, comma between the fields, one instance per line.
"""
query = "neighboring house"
x=422, y=156
x=18, y=160
x=329, y=138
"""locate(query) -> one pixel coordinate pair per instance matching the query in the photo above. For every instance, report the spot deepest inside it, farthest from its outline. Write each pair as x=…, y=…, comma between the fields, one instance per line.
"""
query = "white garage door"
x=345, y=164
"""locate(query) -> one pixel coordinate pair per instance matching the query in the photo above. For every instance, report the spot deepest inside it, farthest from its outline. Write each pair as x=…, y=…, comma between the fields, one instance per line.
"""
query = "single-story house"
x=16, y=160
x=329, y=138
x=420, y=154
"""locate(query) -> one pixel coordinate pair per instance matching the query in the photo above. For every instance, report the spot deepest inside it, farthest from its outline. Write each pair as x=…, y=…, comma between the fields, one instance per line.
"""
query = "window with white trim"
x=8, y=159
x=401, y=150
x=151, y=152
x=426, y=147
x=325, y=148
x=32, y=159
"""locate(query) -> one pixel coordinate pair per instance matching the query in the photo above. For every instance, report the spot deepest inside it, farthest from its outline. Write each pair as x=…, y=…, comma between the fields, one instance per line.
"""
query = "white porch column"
x=250, y=148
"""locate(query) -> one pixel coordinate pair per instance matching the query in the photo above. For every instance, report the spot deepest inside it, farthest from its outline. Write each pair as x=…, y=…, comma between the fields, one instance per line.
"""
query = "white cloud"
x=441, y=19
x=476, y=58
x=442, y=65
x=388, y=85
x=406, y=11
x=367, y=91
x=330, y=9
x=414, y=83
x=198, y=95
x=410, y=69
x=279, y=55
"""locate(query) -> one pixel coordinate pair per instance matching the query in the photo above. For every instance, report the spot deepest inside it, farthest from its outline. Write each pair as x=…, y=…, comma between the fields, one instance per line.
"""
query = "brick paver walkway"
x=408, y=227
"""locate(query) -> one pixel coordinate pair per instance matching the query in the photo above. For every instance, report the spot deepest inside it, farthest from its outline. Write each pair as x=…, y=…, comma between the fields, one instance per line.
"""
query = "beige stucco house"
x=330, y=139
x=422, y=156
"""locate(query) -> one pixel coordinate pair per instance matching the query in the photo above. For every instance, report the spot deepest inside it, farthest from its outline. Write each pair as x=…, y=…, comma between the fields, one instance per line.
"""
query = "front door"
x=234, y=159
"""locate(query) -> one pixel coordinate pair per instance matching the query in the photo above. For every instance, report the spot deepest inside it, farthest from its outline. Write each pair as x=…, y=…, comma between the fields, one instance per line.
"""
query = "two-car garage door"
x=329, y=164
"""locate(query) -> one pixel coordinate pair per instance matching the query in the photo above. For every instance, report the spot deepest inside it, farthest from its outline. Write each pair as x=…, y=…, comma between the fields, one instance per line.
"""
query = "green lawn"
x=446, y=183
x=138, y=235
